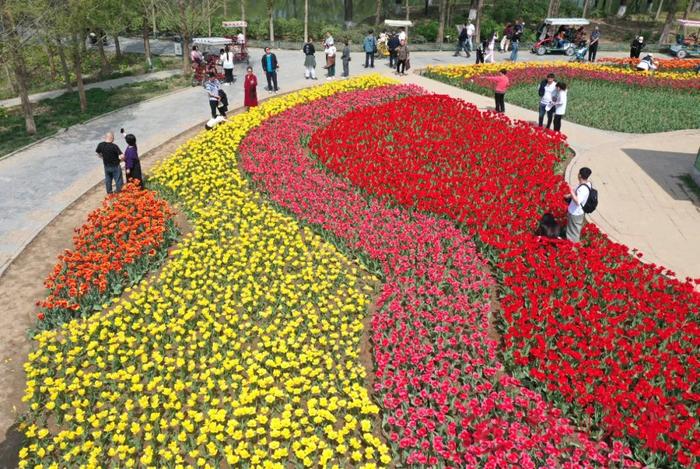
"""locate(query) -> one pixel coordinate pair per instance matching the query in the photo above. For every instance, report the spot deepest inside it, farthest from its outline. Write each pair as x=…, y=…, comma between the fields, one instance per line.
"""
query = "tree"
x=670, y=16
x=622, y=9
x=243, y=14
x=186, y=17
x=306, y=20
x=270, y=14
x=441, y=25
x=348, y=12
x=12, y=49
x=408, y=11
x=477, y=24
x=553, y=9
x=378, y=13
x=585, y=8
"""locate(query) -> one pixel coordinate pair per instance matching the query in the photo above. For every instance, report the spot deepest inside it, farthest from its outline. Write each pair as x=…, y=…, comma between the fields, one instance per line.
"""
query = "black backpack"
x=592, y=201
x=224, y=98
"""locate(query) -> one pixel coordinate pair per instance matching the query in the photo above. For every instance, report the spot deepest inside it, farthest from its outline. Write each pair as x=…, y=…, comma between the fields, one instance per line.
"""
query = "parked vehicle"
x=549, y=39
x=687, y=45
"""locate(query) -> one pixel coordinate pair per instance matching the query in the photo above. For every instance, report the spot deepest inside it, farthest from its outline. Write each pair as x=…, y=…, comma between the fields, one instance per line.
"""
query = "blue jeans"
x=113, y=173
x=543, y=111
x=514, y=52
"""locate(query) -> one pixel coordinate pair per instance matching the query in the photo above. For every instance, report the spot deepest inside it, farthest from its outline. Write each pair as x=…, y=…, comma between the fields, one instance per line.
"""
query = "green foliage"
x=52, y=115
x=427, y=29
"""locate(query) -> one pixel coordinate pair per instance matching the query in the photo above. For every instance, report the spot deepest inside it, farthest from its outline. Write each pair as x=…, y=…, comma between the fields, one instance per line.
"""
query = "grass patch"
x=52, y=115
x=126, y=65
x=610, y=106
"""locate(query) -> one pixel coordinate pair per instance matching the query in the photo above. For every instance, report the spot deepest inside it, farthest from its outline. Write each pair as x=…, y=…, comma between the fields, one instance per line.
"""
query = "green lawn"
x=611, y=106
x=58, y=113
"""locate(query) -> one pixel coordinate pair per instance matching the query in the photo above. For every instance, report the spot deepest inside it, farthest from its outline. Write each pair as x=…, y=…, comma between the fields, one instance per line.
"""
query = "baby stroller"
x=580, y=53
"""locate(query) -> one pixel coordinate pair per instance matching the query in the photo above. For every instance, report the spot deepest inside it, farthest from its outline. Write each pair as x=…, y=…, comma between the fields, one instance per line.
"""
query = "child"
x=131, y=160
x=346, y=59
x=250, y=89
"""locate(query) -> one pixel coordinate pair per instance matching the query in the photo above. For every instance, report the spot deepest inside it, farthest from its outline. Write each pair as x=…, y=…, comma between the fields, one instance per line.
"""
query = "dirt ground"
x=21, y=286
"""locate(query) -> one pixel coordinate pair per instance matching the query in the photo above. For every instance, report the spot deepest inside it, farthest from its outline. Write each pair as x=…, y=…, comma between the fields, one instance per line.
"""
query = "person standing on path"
x=370, y=47
x=213, y=86
x=309, y=60
x=575, y=215
x=546, y=91
x=393, y=45
x=636, y=47
x=501, y=83
x=490, y=55
x=593, y=44
x=330, y=61
x=515, y=41
x=471, y=29
x=270, y=66
x=559, y=100
x=403, y=37
x=328, y=41
x=227, y=62
x=346, y=59
x=250, y=89
x=132, y=164
x=111, y=158
x=461, y=42
x=402, y=54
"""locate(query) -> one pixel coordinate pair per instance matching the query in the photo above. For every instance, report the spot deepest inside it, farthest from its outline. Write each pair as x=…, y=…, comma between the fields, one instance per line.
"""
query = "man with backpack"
x=462, y=42
x=582, y=200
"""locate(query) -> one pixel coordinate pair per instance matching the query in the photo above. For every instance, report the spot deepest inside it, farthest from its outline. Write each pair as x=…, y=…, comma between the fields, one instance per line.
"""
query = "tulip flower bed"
x=243, y=352
x=600, y=96
x=612, y=341
x=446, y=401
x=119, y=243
x=679, y=65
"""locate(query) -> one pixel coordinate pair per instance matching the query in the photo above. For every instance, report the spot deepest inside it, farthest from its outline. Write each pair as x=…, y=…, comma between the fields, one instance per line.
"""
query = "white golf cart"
x=547, y=40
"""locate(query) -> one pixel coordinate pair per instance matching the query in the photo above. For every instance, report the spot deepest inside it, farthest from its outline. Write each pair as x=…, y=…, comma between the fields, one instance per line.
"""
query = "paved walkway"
x=642, y=201
x=105, y=85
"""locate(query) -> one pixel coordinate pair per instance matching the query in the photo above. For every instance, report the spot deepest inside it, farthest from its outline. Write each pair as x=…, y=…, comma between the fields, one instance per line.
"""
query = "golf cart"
x=550, y=40
x=210, y=48
x=686, y=45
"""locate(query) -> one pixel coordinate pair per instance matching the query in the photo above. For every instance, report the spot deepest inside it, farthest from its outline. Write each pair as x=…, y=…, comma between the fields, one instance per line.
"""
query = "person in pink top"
x=501, y=84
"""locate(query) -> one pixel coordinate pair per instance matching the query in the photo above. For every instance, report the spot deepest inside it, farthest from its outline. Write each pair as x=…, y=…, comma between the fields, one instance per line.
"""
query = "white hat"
x=641, y=38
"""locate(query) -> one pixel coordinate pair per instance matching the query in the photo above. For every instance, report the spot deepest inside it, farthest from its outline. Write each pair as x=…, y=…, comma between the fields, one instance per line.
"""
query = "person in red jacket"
x=250, y=87
x=501, y=84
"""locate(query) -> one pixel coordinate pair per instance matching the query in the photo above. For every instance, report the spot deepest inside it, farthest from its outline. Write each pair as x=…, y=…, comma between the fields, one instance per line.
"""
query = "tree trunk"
x=477, y=22
x=688, y=9
x=117, y=47
x=553, y=9
x=243, y=15
x=441, y=25
x=19, y=67
x=225, y=9
x=585, y=8
x=104, y=67
x=147, y=42
x=670, y=16
x=64, y=64
x=622, y=10
x=77, y=69
x=306, y=20
x=270, y=14
x=185, y=33
x=348, y=13
x=50, y=54
x=658, y=10
x=378, y=13
x=10, y=81
x=208, y=5
x=408, y=11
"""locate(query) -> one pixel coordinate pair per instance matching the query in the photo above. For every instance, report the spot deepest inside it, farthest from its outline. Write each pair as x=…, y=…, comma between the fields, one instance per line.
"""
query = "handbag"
x=408, y=64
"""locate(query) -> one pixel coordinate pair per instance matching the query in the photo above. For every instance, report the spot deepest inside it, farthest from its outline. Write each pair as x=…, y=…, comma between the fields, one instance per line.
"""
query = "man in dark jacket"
x=636, y=47
x=392, y=45
x=270, y=66
x=462, y=42
x=309, y=60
